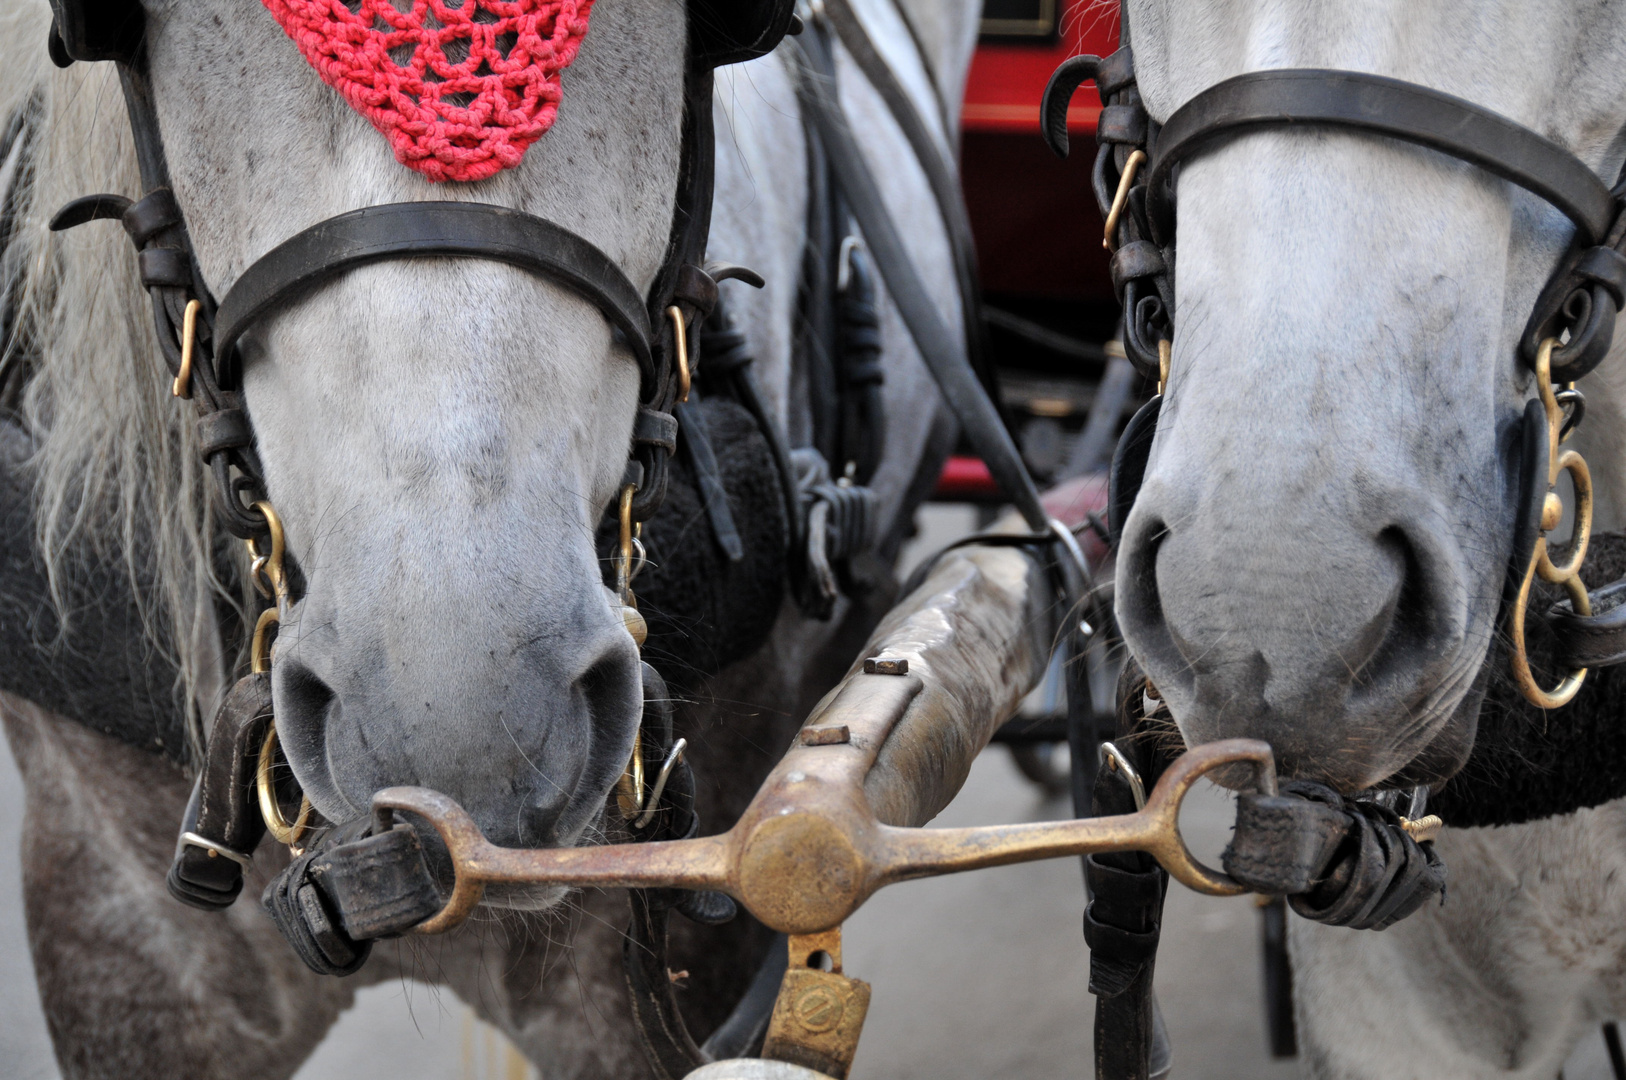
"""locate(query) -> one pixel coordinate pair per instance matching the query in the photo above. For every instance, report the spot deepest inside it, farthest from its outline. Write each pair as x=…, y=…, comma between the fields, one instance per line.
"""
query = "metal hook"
x=844, y=262
x=1114, y=759
x=680, y=333
x=653, y=802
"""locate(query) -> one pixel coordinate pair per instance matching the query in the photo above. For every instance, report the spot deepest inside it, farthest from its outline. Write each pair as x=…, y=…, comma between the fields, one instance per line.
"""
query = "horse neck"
x=929, y=44
x=118, y=483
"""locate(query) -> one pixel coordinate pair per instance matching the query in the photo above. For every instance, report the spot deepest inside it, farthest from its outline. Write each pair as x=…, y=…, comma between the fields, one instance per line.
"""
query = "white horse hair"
x=440, y=439
x=1326, y=518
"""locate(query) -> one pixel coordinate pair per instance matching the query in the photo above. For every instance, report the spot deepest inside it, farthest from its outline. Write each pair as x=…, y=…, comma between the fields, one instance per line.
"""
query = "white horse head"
x=1318, y=552
x=440, y=437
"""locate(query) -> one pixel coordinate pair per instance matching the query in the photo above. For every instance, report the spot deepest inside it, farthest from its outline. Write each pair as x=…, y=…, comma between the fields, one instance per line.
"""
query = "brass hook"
x=182, y=386
x=681, y=334
x=268, y=567
x=1131, y=167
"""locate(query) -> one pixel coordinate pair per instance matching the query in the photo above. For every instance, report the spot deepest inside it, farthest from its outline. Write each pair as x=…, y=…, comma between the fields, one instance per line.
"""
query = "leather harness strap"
x=979, y=419
x=223, y=824
x=333, y=248
x=939, y=169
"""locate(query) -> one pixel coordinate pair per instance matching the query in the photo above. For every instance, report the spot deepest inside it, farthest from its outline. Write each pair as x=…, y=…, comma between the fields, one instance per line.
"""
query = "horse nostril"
x=305, y=706
x=608, y=696
x=302, y=695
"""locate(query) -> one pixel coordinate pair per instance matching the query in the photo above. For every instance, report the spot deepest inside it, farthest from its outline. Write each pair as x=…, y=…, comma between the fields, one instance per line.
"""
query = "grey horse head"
x=440, y=437
x=1318, y=552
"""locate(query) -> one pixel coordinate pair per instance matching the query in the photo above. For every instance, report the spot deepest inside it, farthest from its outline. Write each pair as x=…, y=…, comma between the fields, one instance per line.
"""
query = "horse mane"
x=117, y=479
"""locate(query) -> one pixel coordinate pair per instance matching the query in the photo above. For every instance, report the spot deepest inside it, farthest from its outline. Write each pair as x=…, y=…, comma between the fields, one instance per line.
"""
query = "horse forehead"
x=261, y=148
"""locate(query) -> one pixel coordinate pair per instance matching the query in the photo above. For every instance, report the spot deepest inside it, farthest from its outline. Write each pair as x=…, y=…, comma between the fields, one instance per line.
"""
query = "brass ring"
x=681, y=334
x=1570, y=685
x=182, y=386
x=1541, y=563
x=1131, y=167
x=1165, y=350
x=259, y=650
x=270, y=810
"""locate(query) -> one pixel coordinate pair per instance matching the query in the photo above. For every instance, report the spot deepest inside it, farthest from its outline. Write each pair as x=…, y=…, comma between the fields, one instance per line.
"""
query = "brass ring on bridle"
x=276, y=823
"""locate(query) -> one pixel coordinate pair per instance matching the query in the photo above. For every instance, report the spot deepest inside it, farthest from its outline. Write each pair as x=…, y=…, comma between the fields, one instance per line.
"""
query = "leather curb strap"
x=1343, y=862
x=350, y=889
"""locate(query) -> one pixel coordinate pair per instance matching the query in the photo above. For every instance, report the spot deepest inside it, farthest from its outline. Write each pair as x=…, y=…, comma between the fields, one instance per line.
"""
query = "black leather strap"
x=1381, y=106
x=379, y=886
x=1596, y=640
x=458, y=230
x=941, y=174
x=225, y=809
x=979, y=420
x=1343, y=862
x=1123, y=921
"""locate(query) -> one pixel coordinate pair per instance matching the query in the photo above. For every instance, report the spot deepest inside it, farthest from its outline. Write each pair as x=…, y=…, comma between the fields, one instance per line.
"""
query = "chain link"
x=1552, y=510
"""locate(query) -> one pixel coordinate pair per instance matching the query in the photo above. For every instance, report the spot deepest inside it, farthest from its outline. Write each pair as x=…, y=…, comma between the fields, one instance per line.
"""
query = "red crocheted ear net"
x=459, y=91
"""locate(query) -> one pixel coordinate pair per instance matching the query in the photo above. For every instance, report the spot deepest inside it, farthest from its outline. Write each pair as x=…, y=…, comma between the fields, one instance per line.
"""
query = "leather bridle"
x=199, y=339
x=1567, y=335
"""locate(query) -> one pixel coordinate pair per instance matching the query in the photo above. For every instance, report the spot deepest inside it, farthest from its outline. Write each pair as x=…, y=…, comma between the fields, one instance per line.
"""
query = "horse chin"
x=1447, y=752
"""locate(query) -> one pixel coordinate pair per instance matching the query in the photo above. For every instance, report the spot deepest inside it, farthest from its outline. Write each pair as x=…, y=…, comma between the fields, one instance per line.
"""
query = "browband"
x=458, y=230
x=1383, y=106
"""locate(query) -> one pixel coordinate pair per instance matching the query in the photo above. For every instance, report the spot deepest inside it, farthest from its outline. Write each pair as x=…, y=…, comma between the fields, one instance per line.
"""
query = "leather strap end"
x=379, y=885
x=696, y=288
x=1283, y=844
x=1607, y=267
x=1124, y=124
x=655, y=428
x=209, y=888
x=1136, y=260
x=226, y=429
x=1116, y=73
x=89, y=208
x=151, y=214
